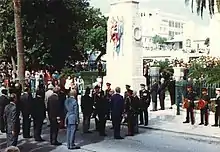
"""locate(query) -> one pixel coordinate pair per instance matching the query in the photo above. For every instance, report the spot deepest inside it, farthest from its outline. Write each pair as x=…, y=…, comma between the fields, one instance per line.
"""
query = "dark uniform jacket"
x=117, y=105
x=218, y=105
x=11, y=118
x=38, y=108
x=145, y=98
x=100, y=103
x=130, y=105
x=53, y=106
x=207, y=99
x=87, y=105
x=191, y=96
x=3, y=102
x=26, y=102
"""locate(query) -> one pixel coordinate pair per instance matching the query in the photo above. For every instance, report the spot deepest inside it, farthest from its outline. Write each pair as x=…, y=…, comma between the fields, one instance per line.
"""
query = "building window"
x=164, y=20
x=171, y=23
x=181, y=25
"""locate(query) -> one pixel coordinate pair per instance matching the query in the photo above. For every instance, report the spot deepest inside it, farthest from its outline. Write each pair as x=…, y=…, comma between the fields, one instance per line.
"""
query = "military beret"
x=108, y=84
x=142, y=85
x=127, y=86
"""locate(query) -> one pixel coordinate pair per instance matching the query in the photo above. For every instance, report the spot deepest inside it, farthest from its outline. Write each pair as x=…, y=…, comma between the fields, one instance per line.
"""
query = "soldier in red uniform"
x=204, y=112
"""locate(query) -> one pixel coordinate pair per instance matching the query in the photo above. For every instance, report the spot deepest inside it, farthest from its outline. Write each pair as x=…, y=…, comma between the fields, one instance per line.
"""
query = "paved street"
x=146, y=141
x=165, y=133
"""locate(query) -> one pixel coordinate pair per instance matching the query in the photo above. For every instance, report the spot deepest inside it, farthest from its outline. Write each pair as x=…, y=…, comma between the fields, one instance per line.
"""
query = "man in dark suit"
x=117, y=108
x=3, y=102
x=87, y=109
x=26, y=109
x=53, y=106
x=12, y=121
x=39, y=114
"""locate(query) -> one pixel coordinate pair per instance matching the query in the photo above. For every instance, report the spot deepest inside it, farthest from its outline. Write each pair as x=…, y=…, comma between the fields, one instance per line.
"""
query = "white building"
x=194, y=37
x=155, y=22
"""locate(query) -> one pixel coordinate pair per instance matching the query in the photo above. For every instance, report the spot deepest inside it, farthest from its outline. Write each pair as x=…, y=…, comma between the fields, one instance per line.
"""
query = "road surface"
x=145, y=141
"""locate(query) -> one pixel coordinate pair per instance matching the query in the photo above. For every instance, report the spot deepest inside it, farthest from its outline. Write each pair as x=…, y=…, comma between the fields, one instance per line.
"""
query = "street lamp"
x=154, y=74
x=178, y=74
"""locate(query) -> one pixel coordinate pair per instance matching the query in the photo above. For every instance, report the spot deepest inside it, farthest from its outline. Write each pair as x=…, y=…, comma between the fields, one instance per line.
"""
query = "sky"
x=169, y=6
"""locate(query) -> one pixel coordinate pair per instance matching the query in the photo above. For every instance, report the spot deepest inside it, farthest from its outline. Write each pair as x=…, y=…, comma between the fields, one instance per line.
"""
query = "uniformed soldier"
x=190, y=96
x=161, y=91
x=101, y=110
x=26, y=102
x=129, y=108
x=205, y=111
x=217, y=112
x=108, y=97
x=125, y=97
x=144, y=104
x=127, y=89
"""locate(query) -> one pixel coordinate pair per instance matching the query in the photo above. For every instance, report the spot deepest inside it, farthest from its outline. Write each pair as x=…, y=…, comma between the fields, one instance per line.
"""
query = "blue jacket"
x=117, y=105
x=72, y=108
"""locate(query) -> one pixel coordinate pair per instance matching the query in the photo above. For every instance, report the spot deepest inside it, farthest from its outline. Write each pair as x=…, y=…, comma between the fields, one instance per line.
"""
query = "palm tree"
x=19, y=40
x=202, y=4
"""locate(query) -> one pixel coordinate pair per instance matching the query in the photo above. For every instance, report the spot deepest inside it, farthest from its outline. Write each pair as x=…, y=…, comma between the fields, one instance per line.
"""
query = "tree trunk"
x=13, y=64
x=19, y=41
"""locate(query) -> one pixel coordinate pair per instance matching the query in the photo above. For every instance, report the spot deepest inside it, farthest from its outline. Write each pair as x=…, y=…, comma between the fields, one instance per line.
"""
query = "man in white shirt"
x=48, y=93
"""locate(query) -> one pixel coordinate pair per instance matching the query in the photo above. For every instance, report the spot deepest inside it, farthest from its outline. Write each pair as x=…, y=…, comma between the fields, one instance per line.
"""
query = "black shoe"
x=145, y=124
x=215, y=125
x=72, y=148
x=3, y=131
x=88, y=132
x=119, y=138
x=40, y=140
x=201, y=124
x=111, y=128
x=27, y=136
x=171, y=108
x=141, y=123
x=103, y=135
x=186, y=122
x=56, y=144
x=206, y=124
x=129, y=135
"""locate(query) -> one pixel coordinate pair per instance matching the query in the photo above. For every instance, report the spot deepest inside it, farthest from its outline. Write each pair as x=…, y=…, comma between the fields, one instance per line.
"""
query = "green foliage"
x=158, y=39
x=54, y=31
x=201, y=5
x=206, y=68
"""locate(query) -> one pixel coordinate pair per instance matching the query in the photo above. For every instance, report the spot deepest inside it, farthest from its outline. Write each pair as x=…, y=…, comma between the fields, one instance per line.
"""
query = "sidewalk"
x=167, y=120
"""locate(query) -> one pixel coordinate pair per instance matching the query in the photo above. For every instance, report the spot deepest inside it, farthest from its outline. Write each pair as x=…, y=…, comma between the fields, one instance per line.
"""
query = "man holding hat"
x=204, y=111
x=190, y=96
x=217, y=111
x=144, y=104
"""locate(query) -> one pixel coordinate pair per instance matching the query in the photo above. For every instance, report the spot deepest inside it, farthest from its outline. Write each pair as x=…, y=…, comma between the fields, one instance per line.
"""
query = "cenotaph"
x=124, y=49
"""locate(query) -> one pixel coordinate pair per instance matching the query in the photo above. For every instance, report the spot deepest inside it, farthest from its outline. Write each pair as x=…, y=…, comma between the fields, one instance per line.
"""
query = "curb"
x=177, y=132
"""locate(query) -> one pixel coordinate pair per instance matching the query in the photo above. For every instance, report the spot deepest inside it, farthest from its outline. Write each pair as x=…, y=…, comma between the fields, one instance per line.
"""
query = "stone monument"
x=124, y=49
